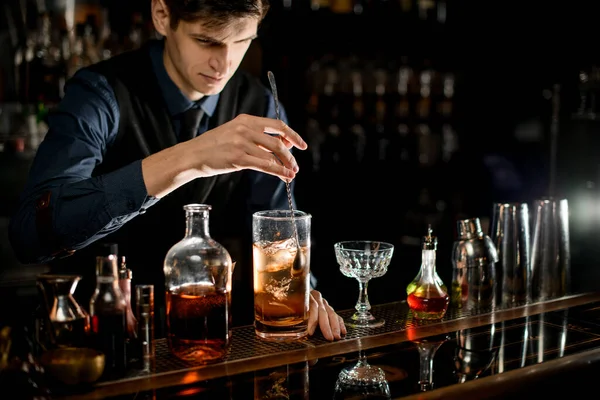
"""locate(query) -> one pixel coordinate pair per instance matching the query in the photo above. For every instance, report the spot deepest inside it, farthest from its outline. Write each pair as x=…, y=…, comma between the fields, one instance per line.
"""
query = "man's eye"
x=206, y=42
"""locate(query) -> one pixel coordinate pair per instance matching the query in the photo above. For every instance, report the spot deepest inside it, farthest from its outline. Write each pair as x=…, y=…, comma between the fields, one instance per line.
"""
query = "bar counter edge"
x=196, y=374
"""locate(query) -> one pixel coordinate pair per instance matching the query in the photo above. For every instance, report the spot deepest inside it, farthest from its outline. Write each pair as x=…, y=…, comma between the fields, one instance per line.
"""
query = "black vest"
x=145, y=128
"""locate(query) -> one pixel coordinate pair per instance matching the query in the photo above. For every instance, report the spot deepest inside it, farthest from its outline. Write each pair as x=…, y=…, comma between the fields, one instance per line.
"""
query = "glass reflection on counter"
x=551, y=336
x=503, y=353
x=427, y=348
x=362, y=380
x=537, y=339
x=475, y=353
x=289, y=382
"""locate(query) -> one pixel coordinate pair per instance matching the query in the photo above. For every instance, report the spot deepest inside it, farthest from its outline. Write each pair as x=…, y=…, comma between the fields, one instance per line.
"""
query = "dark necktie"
x=190, y=123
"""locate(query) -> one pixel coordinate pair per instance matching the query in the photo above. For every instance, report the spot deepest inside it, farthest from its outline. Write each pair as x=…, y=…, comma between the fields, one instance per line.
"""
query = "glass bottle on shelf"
x=424, y=257
x=429, y=300
x=108, y=311
x=198, y=292
x=357, y=127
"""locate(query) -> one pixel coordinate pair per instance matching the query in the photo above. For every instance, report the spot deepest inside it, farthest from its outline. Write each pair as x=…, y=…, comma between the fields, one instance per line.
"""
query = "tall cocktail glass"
x=281, y=283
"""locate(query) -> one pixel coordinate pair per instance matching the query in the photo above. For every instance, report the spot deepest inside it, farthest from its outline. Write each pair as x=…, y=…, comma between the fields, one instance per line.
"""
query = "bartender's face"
x=199, y=59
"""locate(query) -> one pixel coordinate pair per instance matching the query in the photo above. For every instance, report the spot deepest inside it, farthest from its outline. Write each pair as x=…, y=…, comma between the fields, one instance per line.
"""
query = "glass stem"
x=363, y=306
x=362, y=359
x=426, y=354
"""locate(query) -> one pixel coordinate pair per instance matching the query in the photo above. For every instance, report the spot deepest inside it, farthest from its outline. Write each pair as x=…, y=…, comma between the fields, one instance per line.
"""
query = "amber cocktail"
x=281, y=274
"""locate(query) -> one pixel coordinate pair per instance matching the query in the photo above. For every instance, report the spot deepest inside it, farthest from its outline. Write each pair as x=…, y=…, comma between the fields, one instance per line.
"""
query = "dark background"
x=506, y=56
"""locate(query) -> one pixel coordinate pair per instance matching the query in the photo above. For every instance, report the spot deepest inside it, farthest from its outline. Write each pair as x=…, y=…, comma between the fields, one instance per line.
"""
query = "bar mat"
x=246, y=344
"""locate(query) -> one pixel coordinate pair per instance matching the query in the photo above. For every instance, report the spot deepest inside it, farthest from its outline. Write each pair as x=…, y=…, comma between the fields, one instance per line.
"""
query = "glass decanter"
x=198, y=292
x=413, y=285
x=61, y=321
x=429, y=300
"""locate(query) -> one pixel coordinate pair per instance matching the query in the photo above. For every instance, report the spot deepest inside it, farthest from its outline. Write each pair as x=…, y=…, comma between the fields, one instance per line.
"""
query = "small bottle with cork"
x=125, y=277
x=429, y=299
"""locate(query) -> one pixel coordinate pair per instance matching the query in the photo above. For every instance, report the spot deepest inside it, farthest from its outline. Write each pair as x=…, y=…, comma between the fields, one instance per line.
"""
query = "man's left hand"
x=321, y=313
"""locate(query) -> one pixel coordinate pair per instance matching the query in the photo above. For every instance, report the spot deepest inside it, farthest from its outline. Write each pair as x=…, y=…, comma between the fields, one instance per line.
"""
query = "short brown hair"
x=215, y=13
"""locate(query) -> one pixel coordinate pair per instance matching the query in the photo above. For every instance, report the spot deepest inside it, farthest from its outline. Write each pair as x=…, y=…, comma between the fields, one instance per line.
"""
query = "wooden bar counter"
x=518, y=353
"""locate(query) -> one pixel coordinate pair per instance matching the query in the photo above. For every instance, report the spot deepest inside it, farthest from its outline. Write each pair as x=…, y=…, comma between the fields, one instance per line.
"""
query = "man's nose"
x=221, y=61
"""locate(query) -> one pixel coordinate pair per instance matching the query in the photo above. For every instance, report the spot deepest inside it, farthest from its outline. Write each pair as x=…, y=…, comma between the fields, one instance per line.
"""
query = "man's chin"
x=208, y=87
x=209, y=90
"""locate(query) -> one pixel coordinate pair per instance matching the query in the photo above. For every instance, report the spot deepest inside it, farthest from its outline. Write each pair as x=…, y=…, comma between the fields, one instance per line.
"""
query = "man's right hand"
x=236, y=145
x=242, y=144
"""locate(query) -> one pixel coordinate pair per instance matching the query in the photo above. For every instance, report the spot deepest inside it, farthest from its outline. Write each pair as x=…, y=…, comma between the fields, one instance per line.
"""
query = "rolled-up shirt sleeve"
x=63, y=206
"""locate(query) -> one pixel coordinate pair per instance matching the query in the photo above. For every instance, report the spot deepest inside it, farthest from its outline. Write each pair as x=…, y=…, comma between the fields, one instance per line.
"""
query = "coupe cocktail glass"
x=363, y=260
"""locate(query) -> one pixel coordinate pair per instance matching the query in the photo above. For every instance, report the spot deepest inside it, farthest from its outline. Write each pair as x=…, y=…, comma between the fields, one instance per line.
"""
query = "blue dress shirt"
x=86, y=208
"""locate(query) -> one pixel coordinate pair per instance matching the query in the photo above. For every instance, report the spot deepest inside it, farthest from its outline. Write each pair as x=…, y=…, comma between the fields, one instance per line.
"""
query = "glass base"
x=362, y=381
x=279, y=333
x=428, y=315
x=364, y=321
x=281, y=337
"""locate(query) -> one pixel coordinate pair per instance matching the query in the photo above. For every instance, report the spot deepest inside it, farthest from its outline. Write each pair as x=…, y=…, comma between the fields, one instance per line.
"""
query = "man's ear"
x=160, y=17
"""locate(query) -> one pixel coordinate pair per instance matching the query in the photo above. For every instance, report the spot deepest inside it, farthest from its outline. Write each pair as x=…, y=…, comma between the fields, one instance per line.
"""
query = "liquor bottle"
x=446, y=113
x=108, y=310
x=331, y=154
x=357, y=126
x=381, y=115
x=445, y=107
x=429, y=300
x=404, y=79
x=314, y=134
x=125, y=276
x=403, y=146
x=131, y=342
x=316, y=5
x=342, y=6
x=198, y=290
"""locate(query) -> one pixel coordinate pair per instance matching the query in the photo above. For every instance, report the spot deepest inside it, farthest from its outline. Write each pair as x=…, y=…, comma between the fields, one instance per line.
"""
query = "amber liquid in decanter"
x=199, y=321
x=429, y=299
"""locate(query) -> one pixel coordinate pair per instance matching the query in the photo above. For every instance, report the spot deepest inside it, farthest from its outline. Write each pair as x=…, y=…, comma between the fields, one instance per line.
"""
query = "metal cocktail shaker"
x=474, y=258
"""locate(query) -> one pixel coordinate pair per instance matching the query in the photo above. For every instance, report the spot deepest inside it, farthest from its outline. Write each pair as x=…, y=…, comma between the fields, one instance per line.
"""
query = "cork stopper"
x=429, y=242
x=124, y=272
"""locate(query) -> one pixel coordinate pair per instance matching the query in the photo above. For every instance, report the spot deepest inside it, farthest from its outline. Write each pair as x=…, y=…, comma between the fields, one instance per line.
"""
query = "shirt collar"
x=177, y=102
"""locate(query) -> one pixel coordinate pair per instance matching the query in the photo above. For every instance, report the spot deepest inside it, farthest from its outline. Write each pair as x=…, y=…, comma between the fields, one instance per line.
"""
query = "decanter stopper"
x=429, y=242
